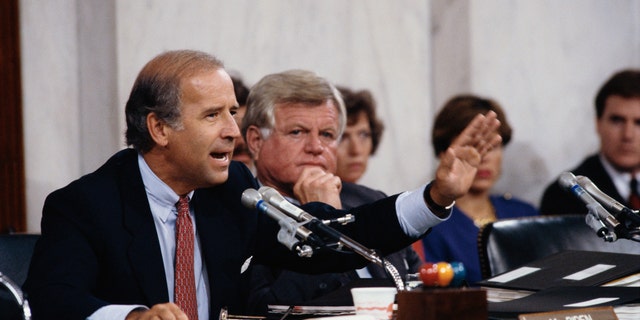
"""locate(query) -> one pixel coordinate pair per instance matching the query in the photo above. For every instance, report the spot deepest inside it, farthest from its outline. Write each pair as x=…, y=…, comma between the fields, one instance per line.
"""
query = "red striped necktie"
x=185, y=283
x=634, y=198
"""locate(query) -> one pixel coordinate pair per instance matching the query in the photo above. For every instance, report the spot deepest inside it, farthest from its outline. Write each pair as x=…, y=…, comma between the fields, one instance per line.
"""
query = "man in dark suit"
x=275, y=286
x=108, y=243
x=296, y=153
x=617, y=163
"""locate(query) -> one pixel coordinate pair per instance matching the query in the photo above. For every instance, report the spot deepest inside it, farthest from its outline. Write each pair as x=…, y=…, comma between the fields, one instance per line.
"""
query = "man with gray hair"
x=293, y=127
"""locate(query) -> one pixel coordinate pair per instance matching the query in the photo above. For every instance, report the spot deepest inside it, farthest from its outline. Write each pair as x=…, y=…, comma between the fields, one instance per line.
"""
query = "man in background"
x=293, y=127
x=241, y=152
x=615, y=168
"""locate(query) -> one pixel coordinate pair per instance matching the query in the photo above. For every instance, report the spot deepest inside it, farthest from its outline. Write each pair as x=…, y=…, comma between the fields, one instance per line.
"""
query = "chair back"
x=506, y=244
x=15, y=255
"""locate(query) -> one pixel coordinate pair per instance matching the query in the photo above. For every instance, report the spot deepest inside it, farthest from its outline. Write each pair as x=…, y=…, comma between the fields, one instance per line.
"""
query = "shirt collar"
x=620, y=179
x=157, y=190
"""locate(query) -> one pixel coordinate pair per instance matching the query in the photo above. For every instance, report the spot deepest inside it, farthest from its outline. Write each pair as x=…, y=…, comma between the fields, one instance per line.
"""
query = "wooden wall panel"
x=12, y=176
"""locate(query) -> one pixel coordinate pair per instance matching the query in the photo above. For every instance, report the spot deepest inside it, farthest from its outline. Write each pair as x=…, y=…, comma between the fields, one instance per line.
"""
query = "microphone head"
x=270, y=194
x=250, y=198
x=567, y=180
x=586, y=182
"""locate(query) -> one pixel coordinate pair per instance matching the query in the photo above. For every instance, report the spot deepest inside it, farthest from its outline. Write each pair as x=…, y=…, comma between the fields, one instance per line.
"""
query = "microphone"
x=610, y=203
x=274, y=197
x=277, y=200
x=569, y=182
x=290, y=230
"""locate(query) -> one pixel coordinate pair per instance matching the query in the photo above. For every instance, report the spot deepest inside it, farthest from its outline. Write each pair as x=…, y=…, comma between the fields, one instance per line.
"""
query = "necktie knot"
x=183, y=205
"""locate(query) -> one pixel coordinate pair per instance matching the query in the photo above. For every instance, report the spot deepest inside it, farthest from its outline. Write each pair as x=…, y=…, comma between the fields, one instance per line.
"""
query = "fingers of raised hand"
x=481, y=133
x=489, y=137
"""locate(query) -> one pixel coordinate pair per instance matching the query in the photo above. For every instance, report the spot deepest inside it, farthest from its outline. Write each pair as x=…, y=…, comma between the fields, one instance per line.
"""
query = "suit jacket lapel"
x=144, y=252
x=226, y=230
x=219, y=246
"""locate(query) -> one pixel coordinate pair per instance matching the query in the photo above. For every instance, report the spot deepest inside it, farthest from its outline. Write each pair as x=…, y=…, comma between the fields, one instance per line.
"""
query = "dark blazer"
x=353, y=195
x=556, y=200
x=99, y=244
x=282, y=287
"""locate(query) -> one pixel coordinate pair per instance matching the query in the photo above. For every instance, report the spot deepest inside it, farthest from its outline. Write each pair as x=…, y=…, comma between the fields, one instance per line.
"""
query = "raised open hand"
x=459, y=164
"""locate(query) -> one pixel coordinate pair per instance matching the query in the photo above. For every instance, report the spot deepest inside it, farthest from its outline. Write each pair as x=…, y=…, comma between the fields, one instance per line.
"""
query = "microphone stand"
x=358, y=248
x=598, y=226
x=598, y=218
x=625, y=222
x=17, y=294
x=395, y=275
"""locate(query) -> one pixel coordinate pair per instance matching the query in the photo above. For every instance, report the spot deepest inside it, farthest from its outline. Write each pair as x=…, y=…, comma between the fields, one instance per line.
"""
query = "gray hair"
x=293, y=86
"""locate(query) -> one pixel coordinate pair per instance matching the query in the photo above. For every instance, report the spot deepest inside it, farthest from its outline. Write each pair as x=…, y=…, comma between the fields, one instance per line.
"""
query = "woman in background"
x=361, y=136
x=456, y=239
x=360, y=141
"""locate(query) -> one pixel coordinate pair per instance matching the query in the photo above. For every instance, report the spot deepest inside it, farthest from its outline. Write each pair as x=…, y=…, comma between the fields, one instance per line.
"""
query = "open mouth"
x=220, y=155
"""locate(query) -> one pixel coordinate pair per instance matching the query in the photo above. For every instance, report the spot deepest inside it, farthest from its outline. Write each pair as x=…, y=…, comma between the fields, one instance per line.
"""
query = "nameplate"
x=597, y=313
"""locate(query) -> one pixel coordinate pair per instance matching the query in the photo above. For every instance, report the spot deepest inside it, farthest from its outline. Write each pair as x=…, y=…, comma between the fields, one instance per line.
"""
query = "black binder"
x=564, y=298
x=567, y=269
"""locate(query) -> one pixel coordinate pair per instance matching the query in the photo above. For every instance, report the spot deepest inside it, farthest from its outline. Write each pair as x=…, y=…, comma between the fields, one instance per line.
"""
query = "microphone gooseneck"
x=317, y=226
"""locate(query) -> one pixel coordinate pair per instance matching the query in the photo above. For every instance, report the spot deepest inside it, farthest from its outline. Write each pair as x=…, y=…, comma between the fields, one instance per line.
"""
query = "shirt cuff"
x=413, y=214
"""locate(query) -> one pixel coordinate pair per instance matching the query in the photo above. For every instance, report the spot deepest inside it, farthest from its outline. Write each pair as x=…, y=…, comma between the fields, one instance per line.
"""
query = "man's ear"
x=254, y=141
x=158, y=129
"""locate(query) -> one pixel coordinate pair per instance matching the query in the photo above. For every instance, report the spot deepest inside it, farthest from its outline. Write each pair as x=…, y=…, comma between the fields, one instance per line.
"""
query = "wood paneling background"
x=12, y=176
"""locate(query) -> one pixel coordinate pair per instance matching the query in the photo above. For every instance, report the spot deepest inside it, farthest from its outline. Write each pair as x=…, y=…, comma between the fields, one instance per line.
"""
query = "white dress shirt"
x=162, y=201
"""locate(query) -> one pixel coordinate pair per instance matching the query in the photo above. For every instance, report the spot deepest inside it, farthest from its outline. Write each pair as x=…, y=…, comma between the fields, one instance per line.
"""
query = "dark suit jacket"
x=99, y=244
x=282, y=287
x=556, y=200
